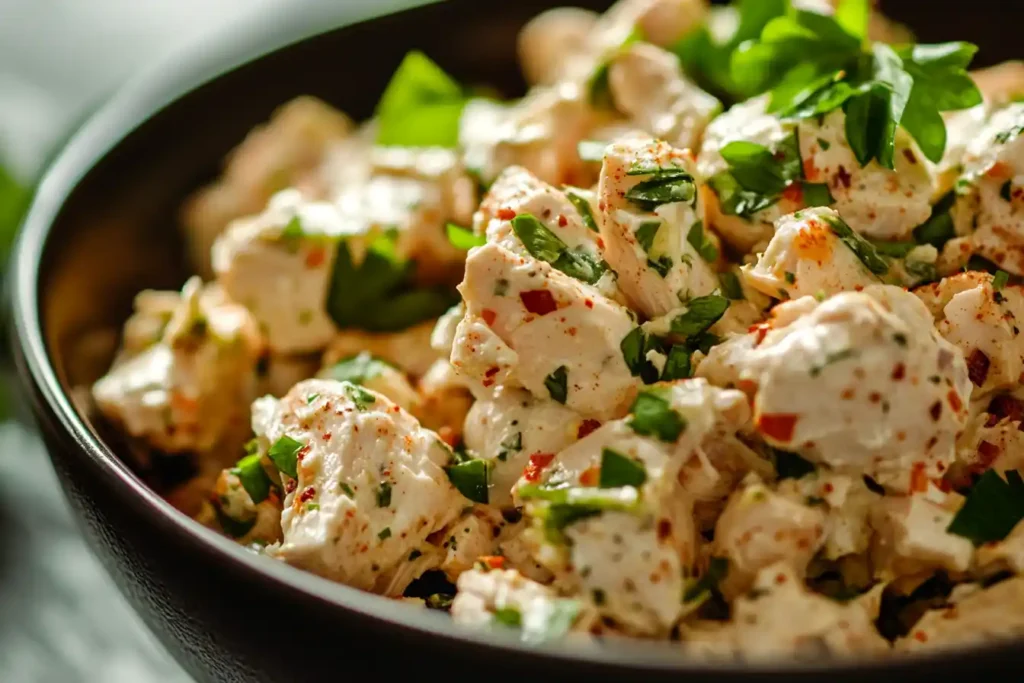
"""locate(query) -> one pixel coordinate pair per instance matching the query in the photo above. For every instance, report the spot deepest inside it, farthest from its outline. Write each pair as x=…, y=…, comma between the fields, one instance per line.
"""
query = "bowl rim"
x=174, y=77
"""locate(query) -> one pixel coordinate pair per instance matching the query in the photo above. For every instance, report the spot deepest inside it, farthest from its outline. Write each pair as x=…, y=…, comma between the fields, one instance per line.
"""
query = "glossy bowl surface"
x=103, y=226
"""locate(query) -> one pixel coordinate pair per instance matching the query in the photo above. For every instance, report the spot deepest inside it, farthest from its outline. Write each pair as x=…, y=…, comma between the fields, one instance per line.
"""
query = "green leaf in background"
x=421, y=106
x=13, y=199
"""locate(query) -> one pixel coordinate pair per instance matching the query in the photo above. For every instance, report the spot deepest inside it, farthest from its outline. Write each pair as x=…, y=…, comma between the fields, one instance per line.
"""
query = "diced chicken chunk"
x=648, y=87
x=551, y=39
x=528, y=324
x=990, y=198
x=375, y=374
x=370, y=484
x=444, y=399
x=990, y=615
x=861, y=382
x=650, y=247
x=189, y=388
x=807, y=258
x=409, y=349
x=912, y=538
x=984, y=323
x=247, y=521
x=1004, y=555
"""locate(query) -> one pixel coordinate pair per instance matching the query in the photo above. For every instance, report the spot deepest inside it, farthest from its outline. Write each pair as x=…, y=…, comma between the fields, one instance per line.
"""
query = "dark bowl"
x=103, y=226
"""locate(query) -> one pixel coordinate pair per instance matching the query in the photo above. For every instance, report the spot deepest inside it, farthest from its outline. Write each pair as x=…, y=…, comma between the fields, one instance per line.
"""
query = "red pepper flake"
x=910, y=156
x=590, y=476
x=794, y=193
x=954, y=401
x=489, y=316
x=1005, y=407
x=315, y=258
x=327, y=437
x=538, y=461
x=921, y=636
x=828, y=488
x=918, y=478
x=493, y=561
x=847, y=394
x=778, y=426
x=664, y=529
x=935, y=411
x=874, y=397
x=586, y=427
x=302, y=453
x=780, y=579
x=447, y=435
x=588, y=303
x=308, y=493
x=562, y=220
x=977, y=367
x=899, y=372
x=843, y=178
x=290, y=485
x=506, y=214
x=538, y=301
x=491, y=371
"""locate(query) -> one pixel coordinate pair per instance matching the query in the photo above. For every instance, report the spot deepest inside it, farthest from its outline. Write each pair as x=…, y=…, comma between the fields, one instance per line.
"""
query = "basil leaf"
x=677, y=366
x=893, y=249
x=859, y=246
x=817, y=194
x=632, y=347
x=654, y=416
x=471, y=478
x=734, y=199
x=284, y=454
x=757, y=176
x=731, y=286
x=852, y=17
x=508, y=616
x=357, y=369
x=362, y=398
x=617, y=470
x=464, y=238
x=702, y=588
x=646, y=233
x=597, y=84
x=402, y=311
x=583, y=207
x=754, y=167
x=939, y=228
x=421, y=106
x=544, y=245
x=1000, y=279
x=701, y=313
x=790, y=465
x=993, y=507
x=556, y=384
x=253, y=478
x=667, y=187
x=701, y=244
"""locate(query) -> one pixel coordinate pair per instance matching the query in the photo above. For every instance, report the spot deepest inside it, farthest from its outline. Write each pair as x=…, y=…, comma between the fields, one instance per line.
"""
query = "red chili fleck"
x=761, y=330
x=899, y=372
x=910, y=156
x=315, y=258
x=303, y=452
x=921, y=636
x=778, y=426
x=780, y=579
x=491, y=371
x=327, y=437
x=506, y=214
x=308, y=493
x=493, y=561
x=794, y=193
x=977, y=367
x=954, y=401
x=488, y=315
x=828, y=488
x=664, y=529
x=918, y=478
x=538, y=301
x=1006, y=407
x=562, y=220
x=843, y=178
x=936, y=410
x=538, y=461
x=588, y=303
x=290, y=485
x=874, y=397
x=586, y=427
x=590, y=476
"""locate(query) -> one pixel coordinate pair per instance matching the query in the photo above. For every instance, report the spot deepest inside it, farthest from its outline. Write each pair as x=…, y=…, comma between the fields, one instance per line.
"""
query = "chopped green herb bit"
x=508, y=616
x=292, y=231
x=938, y=229
x=557, y=384
x=501, y=287
x=253, y=477
x=544, y=245
x=284, y=454
x=362, y=398
x=252, y=446
x=512, y=444
x=347, y=490
x=583, y=208
x=701, y=244
x=702, y=588
x=817, y=194
x=861, y=248
x=310, y=507
x=385, y=533
x=731, y=286
x=661, y=265
x=701, y=313
x=463, y=238
x=439, y=601
x=471, y=478
x=654, y=416
x=1000, y=279
x=357, y=369
x=414, y=554
x=646, y=233
x=790, y=277
x=832, y=358
x=421, y=106
x=678, y=364
x=790, y=465
x=618, y=470
x=233, y=527
x=666, y=186
x=1006, y=191
x=824, y=144
x=384, y=495
x=893, y=249
x=993, y=507
x=312, y=397
x=632, y=347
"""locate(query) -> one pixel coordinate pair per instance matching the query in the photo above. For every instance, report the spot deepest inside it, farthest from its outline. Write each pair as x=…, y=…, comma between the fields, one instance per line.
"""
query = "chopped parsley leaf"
x=557, y=384
x=582, y=207
x=993, y=508
x=1000, y=279
x=731, y=286
x=385, y=533
x=544, y=245
x=666, y=186
x=701, y=313
x=421, y=106
x=508, y=616
x=384, y=495
x=618, y=470
x=701, y=244
x=253, y=478
x=362, y=398
x=702, y=588
x=861, y=248
x=678, y=364
x=357, y=369
x=463, y=238
x=654, y=416
x=471, y=478
x=347, y=490
x=284, y=454
x=646, y=233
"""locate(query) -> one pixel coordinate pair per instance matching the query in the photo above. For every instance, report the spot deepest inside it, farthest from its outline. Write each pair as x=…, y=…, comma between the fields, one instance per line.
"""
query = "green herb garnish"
x=583, y=208
x=463, y=238
x=702, y=588
x=666, y=186
x=654, y=416
x=384, y=495
x=546, y=246
x=618, y=470
x=284, y=454
x=362, y=398
x=557, y=385
x=701, y=244
x=701, y=313
x=858, y=245
x=421, y=106
x=253, y=477
x=357, y=369
x=471, y=478
x=993, y=507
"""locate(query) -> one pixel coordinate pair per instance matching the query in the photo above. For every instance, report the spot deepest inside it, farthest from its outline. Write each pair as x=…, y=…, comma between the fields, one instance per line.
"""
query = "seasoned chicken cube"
x=486, y=536
x=993, y=438
x=912, y=536
x=552, y=38
x=1001, y=83
x=747, y=121
x=1004, y=555
x=375, y=374
x=189, y=389
x=278, y=373
x=528, y=324
x=990, y=194
x=760, y=528
x=504, y=596
x=660, y=22
x=444, y=399
x=807, y=257
x=983, y=320
x=409, y=349
x=781, y=617
x=648, y=87
x=279, y=264
x=649, y=220
x=274, y=156
x=876, y=202
x=986, y=616
x=247, y=519
x=365, y=484
x=611, y=516
x=847, y=503
x=513, y=429
x=861, y=382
